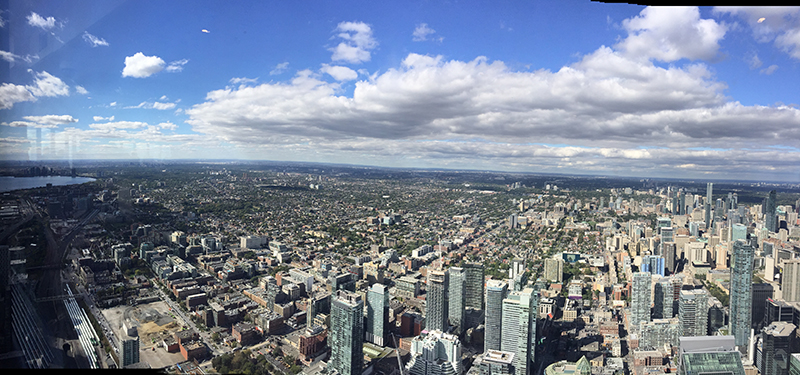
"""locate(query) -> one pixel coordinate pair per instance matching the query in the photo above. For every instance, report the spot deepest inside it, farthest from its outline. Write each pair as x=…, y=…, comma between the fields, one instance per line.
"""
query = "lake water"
x=17, y=183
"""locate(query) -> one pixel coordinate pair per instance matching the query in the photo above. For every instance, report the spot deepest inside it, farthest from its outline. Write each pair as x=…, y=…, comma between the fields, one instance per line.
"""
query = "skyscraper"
x=693, y=311
x=436, y=301
x=435, y=353
x=741, y=292
x=669, y=249
x=770, y=213
x=347, y=333
x=519, y=329
x=496, y=291
x=640, y=300
x=709, y=188
x=475, y=280
x=774, y=351
x=129, y=351
x=662, y=299
x=377, y=314
x=790, y=280
x=457, y=297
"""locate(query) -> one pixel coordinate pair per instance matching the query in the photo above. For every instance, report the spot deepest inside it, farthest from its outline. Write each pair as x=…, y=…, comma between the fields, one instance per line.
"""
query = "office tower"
x=662, y=299
x=762, y=293
x=129, y=351
x=519, y=329
x=708, y=206
x=693, y=311
x=640, y=300
x=436, y=301
x=669, y=249
x=790, y=280
x=653, y=264
x=475, y=279
x=770, y=212
x=377, y=314
x=709, y=355
x=457, y=298
x=347, y=333
x=496, y=291
x=667, y=234
x=554, y=270
x=741, y=292
x=495, y=362
x=436, y=353
x=777, y=310
x=738, y=232
x=774, y=351
x=512, y=221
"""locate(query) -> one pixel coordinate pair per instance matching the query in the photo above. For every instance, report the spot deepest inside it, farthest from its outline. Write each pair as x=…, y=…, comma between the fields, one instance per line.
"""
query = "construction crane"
x=397, y=352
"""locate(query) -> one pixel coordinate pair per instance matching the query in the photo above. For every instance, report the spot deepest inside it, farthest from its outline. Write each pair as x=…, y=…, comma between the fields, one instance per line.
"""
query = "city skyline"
x=570, y=88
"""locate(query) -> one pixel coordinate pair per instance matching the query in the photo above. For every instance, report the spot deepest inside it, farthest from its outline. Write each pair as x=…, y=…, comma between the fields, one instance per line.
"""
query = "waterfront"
x=8, y=183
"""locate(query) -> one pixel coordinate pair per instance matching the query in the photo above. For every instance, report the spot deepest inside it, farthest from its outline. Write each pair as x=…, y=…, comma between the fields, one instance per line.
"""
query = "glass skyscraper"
x=457, y=297
x=377, y=314
x=693, y=311
x=436, y=301
x=519, y=328
x=347, y=333
x=496, y=291
x=640, y=300
x=741, y=292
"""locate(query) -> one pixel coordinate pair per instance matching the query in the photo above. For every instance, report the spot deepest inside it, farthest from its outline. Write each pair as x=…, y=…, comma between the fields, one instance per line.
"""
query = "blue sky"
x=543, y=86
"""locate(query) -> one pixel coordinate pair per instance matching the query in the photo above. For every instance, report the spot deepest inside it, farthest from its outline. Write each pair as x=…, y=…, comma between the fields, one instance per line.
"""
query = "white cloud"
x=100, y=118
x=93, y=40
x=36, y=20
x=154, y=105
x=119, y=125
x=81, y=90
x=205, y=31
x=176, y=66
x=112, y=104
x=279, y=69
x=163, y=106
x=167, y=126
x=141, y=66
x=43, y=122
x=46, y=84
x=422, y=32
x=753, y=61
x=769, y=70
x=339, y=73
x=780, y=25
x=11, y=93
x=671, y=33
x=8, y=56
x=358, y=41
x=243, y=80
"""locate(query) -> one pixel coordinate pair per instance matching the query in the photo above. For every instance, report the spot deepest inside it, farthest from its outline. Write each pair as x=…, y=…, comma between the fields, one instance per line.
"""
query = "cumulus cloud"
x=422, y=33
x=100, y=118
x=42, y=122
x=176, y=66
x=339, y=73
x=34, y=19
x=11, y=93
x=671, y=33
x=356, y=45
x=81, y=90
x=93, y=40
x=46, y=84
x=141, y=66
x=780, y=25
x=279, y=69
x=167, y=126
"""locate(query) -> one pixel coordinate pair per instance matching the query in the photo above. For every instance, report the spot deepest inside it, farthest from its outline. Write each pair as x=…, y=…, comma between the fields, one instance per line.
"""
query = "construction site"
x=154, y=323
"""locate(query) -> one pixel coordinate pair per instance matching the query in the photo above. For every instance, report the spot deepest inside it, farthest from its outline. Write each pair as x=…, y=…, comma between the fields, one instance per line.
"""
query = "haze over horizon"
x=546, y=87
